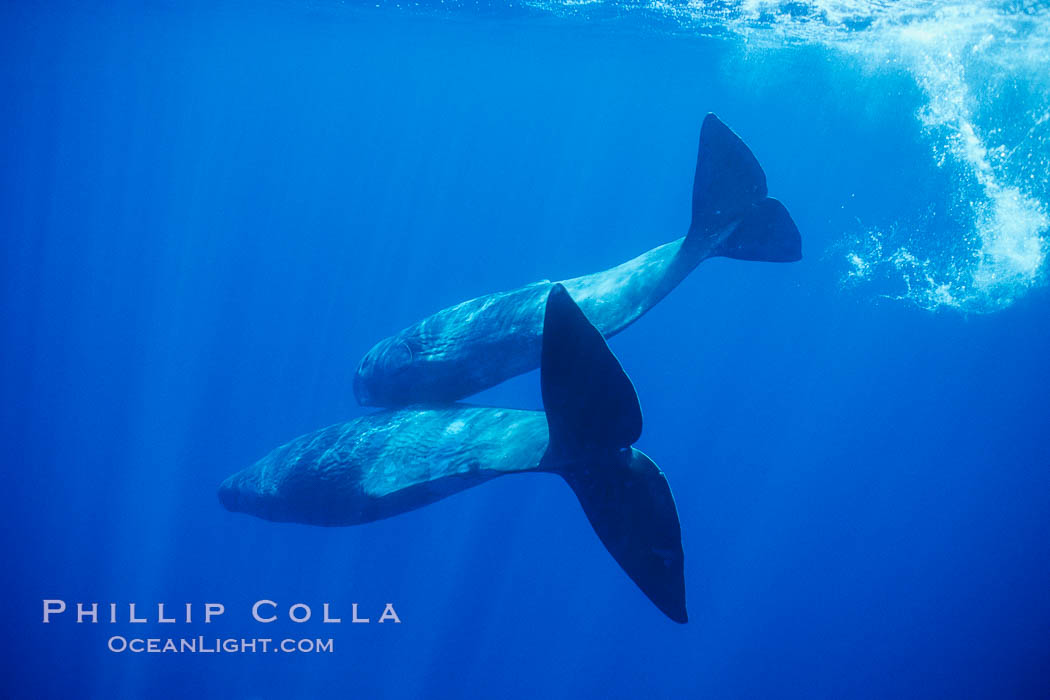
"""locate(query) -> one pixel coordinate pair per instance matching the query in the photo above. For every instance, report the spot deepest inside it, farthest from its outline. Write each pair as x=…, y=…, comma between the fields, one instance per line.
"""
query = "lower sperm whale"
x=393, y=461
x=479, y=343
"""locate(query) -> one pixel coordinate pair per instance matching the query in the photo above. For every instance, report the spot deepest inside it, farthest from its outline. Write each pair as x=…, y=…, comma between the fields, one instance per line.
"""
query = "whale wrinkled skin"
x=387, y=463
x=479, y=343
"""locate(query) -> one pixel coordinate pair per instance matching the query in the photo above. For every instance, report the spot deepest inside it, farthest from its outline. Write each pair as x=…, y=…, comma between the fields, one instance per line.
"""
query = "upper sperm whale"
x=479, y=343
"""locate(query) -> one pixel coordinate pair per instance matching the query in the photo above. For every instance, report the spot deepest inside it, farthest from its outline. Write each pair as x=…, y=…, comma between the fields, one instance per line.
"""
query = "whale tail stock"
x=732, y=216
x=593, y=417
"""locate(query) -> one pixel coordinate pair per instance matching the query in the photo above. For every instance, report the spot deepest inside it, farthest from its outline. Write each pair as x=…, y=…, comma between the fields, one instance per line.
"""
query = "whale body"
x=479, y=343
x=393, y=461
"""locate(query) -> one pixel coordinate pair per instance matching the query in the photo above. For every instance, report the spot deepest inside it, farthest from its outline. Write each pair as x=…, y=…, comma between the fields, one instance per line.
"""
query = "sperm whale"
x=393, y=461
x=479, y=343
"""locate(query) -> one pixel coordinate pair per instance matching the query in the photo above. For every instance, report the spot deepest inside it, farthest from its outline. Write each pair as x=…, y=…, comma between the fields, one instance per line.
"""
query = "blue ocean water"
x=210, y=211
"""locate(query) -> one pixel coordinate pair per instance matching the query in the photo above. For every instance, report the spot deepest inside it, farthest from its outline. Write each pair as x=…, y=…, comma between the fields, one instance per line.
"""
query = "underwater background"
x=210, y=211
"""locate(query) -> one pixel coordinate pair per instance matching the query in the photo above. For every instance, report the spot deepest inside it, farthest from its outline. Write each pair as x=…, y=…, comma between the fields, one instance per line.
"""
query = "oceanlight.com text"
x=218, y=645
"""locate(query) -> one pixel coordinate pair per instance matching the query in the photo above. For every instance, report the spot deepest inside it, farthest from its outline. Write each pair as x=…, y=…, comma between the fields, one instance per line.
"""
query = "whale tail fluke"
x=730, y=208
x=593, y=418
x=589, y=400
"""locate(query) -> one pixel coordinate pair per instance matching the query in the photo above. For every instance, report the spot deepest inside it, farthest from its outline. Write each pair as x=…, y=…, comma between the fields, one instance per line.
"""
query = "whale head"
x=260, y=490
x=308, y=480
x=382, y=373
x=240, y=493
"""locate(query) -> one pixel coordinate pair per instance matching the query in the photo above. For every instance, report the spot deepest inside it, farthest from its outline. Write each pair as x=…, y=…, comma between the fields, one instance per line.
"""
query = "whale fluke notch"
x=593, y=417
x=729, y=192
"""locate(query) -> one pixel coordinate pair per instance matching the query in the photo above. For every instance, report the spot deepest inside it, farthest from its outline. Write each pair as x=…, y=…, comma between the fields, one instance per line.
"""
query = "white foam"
x=963, y=56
